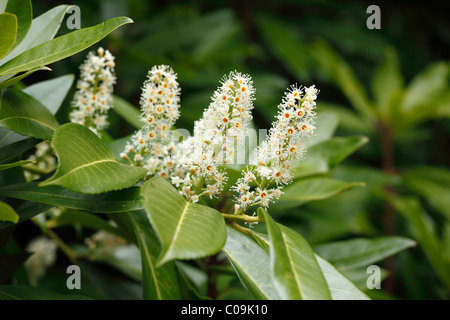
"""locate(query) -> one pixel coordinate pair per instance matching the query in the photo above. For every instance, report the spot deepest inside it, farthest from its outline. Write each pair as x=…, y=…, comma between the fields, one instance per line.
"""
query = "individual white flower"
x=93, y=97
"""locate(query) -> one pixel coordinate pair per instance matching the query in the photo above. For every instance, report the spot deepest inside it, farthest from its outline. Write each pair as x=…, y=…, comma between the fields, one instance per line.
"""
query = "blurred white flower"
x=43, y=256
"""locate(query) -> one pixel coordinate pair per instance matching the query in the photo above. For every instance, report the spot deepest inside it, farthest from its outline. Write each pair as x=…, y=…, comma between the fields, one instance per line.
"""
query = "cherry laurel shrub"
x=173, y=212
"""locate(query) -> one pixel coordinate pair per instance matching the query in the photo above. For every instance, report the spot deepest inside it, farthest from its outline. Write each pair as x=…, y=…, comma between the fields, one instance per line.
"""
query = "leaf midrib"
x=177, y=230
x=149, y=262
x=31, y=119
x=290, y=265
x=82, y=167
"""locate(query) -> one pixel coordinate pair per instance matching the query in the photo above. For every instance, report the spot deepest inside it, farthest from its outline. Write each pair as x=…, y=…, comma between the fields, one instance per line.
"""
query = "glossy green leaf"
x=26, y=211
x=7, y=213
x=51, y=93
x=19, y=292
x=8, y=23
x=14, y=164
x=431, y=183
x=26, y=115
x=91, y=167
x=127, y=111
x=43, y=28
x=310, y=189
x=387, y=82
x=293, y=266
x=360, y=276
x=110, y=202
x=354, y=253
x=159, y=283
x=341, y=288
x=13, y=144
x=251, y=263
x=340, y=72
x=61, y=47
x=22, y=10
x=326, y=155
x=12, y=81
x=88, y=220
x=185, y=230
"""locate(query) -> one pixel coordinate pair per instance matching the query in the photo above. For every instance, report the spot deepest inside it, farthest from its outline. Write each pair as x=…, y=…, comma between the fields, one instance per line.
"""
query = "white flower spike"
x=93, y=97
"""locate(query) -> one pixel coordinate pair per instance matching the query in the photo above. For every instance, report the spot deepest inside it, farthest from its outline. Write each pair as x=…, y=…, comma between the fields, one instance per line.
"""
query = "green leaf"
x=19, y=292
x=429, y=83
x=127, y=111
x=340, y=72
x=287, y=46
x=348, y=119
x=7, y=213
x=110, y=202
x=251, y=263
x=8, y=23
x=341, y=288
x=12, y=81
x=185, y=230
x=24, y=14
x=14, y=164
x=431, y=183
x=425, y=97
x=43, y=28
x=293, y=266
x=310, y=189
x=26, y=211
x=51, y=93
x=87, y=165
x=13, y=144
x=326, y=155
x=61, y=47
x=159, y=283
x=88, y=220
x=424, y=231
x=326, y=124
x=387, y=82
x=354, y=253
x=25, y=115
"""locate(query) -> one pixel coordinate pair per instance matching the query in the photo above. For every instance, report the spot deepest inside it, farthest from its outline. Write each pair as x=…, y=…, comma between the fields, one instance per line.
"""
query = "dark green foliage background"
x=202, y=40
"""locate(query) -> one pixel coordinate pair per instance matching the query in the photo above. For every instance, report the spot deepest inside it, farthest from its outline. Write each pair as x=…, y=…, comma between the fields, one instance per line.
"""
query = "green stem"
x=35, y=169
x=241, y=217
x=72, y=256
x=240, y=228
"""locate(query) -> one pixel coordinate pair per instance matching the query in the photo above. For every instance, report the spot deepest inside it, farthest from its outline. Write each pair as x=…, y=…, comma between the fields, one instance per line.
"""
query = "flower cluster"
x=93, y=97
x=45, y=159
x=218, y=135
x=43, y=256
x=275, y=157
x=150, y=146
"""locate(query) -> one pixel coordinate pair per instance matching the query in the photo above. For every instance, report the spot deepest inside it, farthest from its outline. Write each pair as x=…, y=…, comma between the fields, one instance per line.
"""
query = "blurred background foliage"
x=391, y=85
